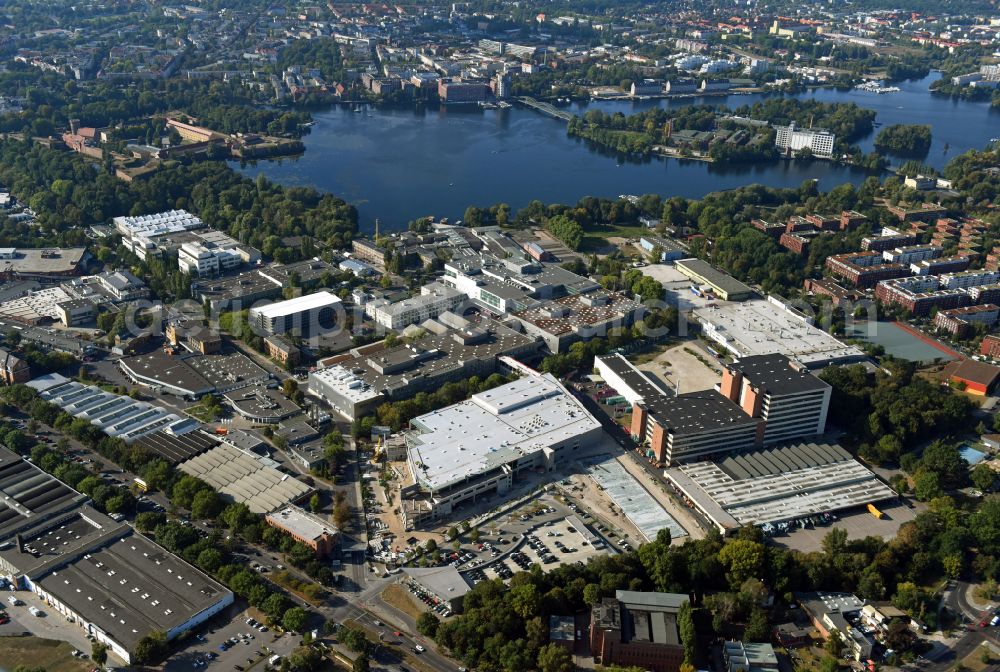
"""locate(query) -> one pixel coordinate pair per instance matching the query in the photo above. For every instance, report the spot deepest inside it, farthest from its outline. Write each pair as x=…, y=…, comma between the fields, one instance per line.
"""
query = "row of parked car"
x=786, y=526
x=544, y=554
x=431, y=601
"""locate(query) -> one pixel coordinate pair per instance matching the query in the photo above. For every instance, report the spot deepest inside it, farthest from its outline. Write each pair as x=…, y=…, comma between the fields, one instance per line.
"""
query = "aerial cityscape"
x=500, y=336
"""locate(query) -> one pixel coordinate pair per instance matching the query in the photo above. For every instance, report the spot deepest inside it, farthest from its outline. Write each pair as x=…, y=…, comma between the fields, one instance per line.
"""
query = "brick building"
x=13, y=369
x=828, y=287
x=638, y=629
x=796, y=243
x=850, y=220
x=887, y=242
x=990, y=347
x=920, y=294
x=322, y=537
x=864, y=269
x=772, y=229
x=825, y=222
x=959, y=321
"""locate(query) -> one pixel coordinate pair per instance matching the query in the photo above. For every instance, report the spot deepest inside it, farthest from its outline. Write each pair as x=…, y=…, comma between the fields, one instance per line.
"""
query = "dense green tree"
x=555, y=658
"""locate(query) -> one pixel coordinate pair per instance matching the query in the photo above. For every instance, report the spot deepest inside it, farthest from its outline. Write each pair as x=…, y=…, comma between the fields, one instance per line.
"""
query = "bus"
x=875, y=512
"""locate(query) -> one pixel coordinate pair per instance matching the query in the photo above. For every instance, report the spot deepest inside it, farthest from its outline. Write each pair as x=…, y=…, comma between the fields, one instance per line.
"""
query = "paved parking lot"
x=548, y=545
x=49, y=625
x=858, y=524
x=247, y=652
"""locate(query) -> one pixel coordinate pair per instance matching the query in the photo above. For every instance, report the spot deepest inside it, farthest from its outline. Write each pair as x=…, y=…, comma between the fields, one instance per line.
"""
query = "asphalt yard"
x=858, y=524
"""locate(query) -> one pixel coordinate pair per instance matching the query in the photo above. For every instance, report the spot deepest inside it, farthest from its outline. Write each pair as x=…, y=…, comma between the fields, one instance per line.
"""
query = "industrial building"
x=692, y=425
x=704, y=275
x=638, y=629
x=763, y=327
x=243, y=478
x=262, y=405
x=44, y=264
x=236, y=293
x=776, y=484
x=512, y=284
x=668, y=248
x=177, y=448
x=434, y=299
x=192, y=375
x=578, y=317
x=478, y=448
x=628, y=381
x=113, y=583
x=319, y=535
x=310, y=315
x=749, y=657
x=306, y=274
x=359, y=383
x=204, y=260
x=115, y=415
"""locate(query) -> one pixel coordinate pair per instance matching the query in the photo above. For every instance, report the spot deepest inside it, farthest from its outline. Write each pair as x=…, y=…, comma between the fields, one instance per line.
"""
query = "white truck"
x=13, y=601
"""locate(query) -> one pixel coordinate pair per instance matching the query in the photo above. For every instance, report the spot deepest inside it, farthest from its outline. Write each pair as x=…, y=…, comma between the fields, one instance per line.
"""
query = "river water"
x=400, y=164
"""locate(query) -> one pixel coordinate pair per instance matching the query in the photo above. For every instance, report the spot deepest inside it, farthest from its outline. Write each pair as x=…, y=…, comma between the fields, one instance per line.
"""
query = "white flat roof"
x=493, y=428
x=298, y=304
x=760, y=327
x=302, y=524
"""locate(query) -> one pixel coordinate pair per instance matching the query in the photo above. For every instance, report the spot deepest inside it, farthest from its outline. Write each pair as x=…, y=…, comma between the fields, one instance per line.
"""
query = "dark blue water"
x=398, y=165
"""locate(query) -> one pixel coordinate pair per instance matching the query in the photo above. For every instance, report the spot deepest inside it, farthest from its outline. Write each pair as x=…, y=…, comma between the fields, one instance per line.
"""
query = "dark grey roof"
x=157, y=367
x=55, y=540
x=776, y=374
x=694, y=412
x=29, y=495
x=723, y=281
x=176, y=449
x=782, y=459
x=101, y=587
x=631, y=376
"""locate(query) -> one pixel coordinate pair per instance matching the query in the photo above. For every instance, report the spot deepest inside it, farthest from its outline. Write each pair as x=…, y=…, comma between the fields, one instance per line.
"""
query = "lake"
x=400, y=164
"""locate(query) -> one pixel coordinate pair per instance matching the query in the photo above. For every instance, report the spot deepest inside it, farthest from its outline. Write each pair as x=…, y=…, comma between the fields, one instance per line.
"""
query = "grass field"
x=396, y=596
x=50, y=654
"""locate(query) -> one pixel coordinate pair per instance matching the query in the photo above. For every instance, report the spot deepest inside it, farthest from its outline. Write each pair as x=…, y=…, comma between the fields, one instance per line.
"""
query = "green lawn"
x=50, y=654
x=596, y=235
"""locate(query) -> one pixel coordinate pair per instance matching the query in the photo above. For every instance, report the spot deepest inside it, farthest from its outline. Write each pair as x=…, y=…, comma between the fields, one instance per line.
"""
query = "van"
x=13, y=601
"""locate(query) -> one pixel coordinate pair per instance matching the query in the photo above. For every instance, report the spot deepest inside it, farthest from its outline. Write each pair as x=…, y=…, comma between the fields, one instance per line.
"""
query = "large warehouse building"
x=478, y=447
x=773, y=327
x=115, y=584
x=777, y=484
x=244, y=478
